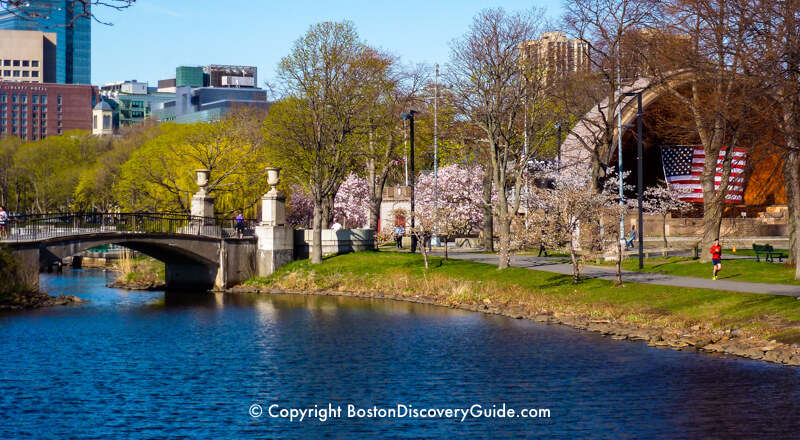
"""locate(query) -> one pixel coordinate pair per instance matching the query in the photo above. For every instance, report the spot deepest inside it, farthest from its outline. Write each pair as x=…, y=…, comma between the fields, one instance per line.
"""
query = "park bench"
x=768, y=251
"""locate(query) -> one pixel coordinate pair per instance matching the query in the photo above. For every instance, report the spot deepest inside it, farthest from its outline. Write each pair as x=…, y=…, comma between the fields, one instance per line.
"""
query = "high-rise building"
x=73, y=34
x=557, y=54
x=189, y=76
x=27, y=56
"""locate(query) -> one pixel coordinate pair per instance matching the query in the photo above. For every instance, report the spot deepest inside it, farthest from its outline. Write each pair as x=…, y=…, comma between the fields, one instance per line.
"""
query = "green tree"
x=326, y=80
x=160, y=176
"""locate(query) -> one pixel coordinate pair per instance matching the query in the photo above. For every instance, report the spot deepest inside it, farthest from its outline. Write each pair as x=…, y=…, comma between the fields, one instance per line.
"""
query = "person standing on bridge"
x=716, y=258
x=239, y=223
x=3, y=222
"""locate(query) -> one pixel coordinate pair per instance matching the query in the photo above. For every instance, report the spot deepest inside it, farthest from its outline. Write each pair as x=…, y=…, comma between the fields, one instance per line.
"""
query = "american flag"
x=683, y=166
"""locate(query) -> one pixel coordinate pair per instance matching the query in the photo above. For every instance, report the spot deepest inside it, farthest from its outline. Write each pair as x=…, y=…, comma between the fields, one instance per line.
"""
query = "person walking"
x=3, y=222
x=631, y=237
x=716, y=258
x=398, y=236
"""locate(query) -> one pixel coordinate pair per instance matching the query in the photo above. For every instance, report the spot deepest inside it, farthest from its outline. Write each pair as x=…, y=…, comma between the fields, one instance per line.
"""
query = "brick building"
x=34, y=111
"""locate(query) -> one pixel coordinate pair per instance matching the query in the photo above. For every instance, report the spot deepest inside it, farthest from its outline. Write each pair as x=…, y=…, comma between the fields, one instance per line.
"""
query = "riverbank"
x=19, y=290
x=762, y=327
x=140, y=273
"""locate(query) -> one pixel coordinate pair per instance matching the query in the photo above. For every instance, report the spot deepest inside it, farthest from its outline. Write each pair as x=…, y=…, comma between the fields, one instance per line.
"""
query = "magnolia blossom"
x=301, y=207
x=459, y=195
x=351, y=204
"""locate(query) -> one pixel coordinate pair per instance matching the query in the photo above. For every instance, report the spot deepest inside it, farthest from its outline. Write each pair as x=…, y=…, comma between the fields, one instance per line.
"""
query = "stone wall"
x=334, y=242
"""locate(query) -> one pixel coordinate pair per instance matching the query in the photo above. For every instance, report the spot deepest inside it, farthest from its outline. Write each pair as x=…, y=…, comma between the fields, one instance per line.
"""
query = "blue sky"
x=150, y=39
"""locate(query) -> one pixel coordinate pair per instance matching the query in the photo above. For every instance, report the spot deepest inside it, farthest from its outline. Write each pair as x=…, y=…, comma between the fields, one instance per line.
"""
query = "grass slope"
x=763, y=315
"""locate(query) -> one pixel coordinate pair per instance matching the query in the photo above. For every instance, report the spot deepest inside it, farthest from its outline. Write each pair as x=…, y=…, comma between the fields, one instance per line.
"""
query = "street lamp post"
x=639, y=169
x=410, y=117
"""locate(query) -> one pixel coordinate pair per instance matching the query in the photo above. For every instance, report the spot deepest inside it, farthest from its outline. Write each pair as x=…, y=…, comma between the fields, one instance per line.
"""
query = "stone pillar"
x=202, y=206
x=275, y=237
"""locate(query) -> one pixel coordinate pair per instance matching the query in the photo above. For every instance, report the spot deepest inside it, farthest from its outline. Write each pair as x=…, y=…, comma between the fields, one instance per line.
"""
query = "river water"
x=145, y=365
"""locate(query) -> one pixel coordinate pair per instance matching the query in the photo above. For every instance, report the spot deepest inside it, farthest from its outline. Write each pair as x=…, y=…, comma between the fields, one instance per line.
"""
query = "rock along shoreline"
x=38, y=300
x=696, y=338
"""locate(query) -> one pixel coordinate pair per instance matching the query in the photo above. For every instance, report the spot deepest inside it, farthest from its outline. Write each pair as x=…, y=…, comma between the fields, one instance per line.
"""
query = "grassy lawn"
x=766, y=315
x=733, y=270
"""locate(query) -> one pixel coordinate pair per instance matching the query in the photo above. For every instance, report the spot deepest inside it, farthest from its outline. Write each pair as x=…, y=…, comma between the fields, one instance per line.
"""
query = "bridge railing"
x=43, y=226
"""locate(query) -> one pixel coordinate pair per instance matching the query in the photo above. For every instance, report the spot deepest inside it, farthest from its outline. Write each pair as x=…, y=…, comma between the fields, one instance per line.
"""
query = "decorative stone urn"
x=273, y=178
x=202, y=180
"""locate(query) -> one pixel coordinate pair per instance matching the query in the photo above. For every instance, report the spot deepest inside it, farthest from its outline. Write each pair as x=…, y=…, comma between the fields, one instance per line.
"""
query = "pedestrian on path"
x=239, y=223
x=631, y=237
x=398, y=236
x=3, y=221
x=716, y=258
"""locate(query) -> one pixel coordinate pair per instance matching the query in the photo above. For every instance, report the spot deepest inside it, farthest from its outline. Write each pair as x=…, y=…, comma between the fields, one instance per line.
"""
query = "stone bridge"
x=199, y=253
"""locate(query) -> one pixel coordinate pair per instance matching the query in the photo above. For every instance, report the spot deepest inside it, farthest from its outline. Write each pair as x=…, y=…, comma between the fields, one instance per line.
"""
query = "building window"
x=6, y=62
x=24, y=122
x=25, y=73
x=3, y=115
x=15, y=107
x=44, y=130
x=35, y=98
x=13, y=129
x=3, y=122
x=13, y=122
x=2, y=129
x=35, y=63
x=58, y=131
x=6, y=73
x=24, y=108
x=34, y=108
x=59, y=101
x=23, y=130
x=44, y=113
x=2, y=106
x=16, y=63
x=94, y=122
x=106, y=122
x=14, y=115
x=14, y=97
x=59, y=116
x=16, y=74
x=44, y=99
x=23, y=99
x=23, y=137
x=59, y=123
x=25, y=63
x=3, y=97
x=35, y=74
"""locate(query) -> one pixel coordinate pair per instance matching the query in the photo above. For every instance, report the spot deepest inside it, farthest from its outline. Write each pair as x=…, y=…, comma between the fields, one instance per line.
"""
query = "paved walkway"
x=609, y=273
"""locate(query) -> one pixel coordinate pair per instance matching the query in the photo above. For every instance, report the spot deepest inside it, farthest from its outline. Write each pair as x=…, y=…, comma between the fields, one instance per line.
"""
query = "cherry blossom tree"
x=566, y=214
x=661, y=200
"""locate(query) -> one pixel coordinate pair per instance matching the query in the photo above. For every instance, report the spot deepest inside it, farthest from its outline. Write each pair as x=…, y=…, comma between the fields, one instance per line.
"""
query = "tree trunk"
x=791, y=178
x=664, y=231
x=505, y=243
x=488, y=218
x=619, y=263
x=576, y=273
x=316, y=242
x=327, y=211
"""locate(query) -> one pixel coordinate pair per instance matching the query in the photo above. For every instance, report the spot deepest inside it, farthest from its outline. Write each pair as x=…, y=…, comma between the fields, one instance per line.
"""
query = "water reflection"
x=154, y=365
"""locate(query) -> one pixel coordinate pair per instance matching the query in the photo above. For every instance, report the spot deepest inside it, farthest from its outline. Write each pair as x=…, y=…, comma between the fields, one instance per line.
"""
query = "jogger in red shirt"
x=716, y=258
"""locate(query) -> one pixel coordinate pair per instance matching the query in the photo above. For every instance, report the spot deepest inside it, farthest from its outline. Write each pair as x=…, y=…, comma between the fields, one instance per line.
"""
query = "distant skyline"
x=150, y=39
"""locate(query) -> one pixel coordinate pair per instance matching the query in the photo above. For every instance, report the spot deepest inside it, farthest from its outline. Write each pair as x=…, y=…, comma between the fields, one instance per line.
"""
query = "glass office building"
x=73, y=34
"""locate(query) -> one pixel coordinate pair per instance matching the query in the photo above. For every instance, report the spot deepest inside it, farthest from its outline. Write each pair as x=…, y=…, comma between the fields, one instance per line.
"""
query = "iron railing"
x=44, y=226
